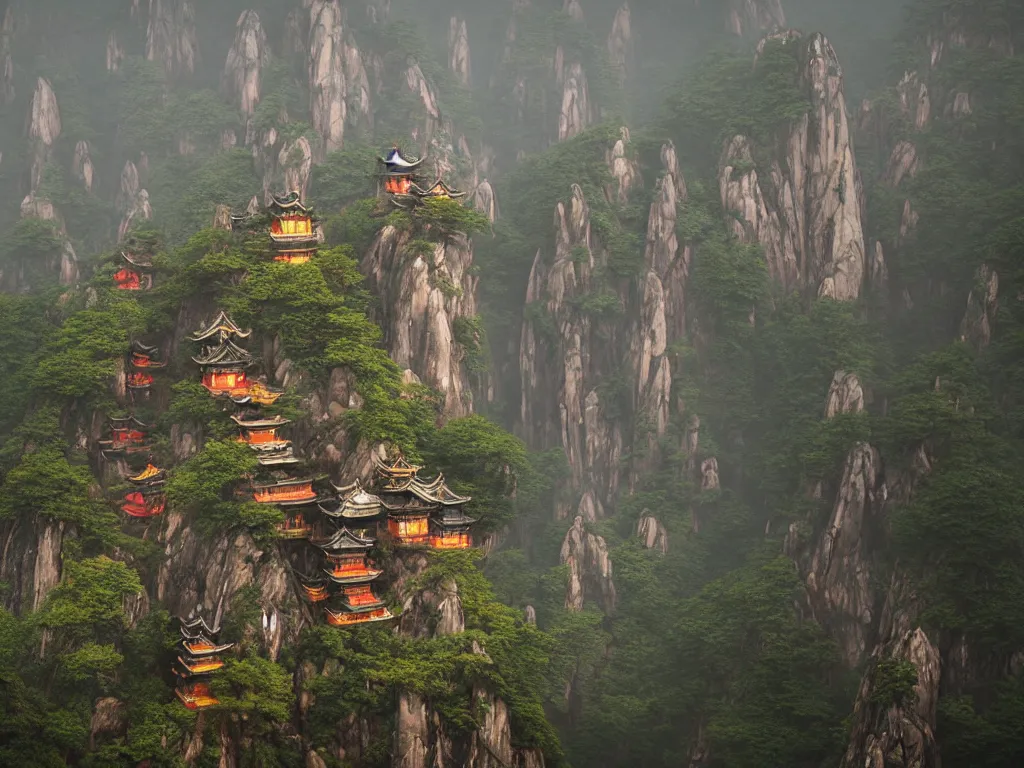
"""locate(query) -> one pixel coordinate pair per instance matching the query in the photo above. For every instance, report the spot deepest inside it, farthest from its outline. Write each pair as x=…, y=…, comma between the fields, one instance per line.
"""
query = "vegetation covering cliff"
x=725, y=346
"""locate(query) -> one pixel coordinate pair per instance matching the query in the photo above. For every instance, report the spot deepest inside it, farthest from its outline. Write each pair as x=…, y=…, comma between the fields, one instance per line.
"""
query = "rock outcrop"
x=749, y=18
x=132, y=200
x=33, y=207
x=576, y=113
x=620, y=43
x=43, y=128
x=906, y=728
x=423, y=298
x=82, y=166
x=243, y=70
x=327, y=83
x=652, y=534
x=7, y=92
x=804, y=207
x=590, y=569
x=982, y=305
x=171, y=36
x=839, y=579
x=228, y=564
x=458, y=50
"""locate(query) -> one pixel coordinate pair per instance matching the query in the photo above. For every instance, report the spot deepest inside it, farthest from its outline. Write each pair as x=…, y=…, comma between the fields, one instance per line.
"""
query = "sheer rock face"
x=804, y=207
x=171, y=36
x=246, y=60
x=412, y=732
x=44, y=128
x=327, y=83
x=907, y=729
x=421, y=300
x=30, y=562
x=914, y=100
x=433, y=613
x=7, y=92
x=226, y=565
x=620, y=43
x=296, y=34
x=624, y=168
x=359, y=110
x=839, y=577
x=982, y=305
x=132, y=200
x=33, y=207
x=652, y=534
x=82, y=166
x=115, y=53
x=845, y=395
x=484, y=200
x=458, y=50
x=576, y=114
x=418, y=85
x=902, y=164
x=590, y=569
x=295, y=164
x=109, y=718
x=752, y=17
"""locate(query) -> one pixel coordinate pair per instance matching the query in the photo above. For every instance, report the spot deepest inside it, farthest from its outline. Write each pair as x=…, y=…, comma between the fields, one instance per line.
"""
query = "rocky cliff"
x=424, y=298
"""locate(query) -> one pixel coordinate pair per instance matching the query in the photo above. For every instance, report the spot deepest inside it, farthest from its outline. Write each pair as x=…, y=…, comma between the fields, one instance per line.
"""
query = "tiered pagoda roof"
x=127, y=435
x=227, y=354
x=142, y=356
x=199, y=657
x=221, y=326
x=397, y=164
x=353, y=503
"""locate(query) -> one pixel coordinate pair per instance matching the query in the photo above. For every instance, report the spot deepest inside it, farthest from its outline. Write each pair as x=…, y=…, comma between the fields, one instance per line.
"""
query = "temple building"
x=260, y=434
x=141, y=362
x=224, y=364
x=198, y=659
x=286, y=492
x=451, y=529
x=356, y=603
x=294, y=230
x=423, y=512
x=127, y=435
x=398, y=172
x=135, y=274
x=353, y=504
x=315, y=589
x=415, y=196
x=147, y=502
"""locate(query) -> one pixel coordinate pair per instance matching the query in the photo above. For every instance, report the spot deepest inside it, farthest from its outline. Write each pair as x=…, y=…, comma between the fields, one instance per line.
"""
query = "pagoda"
x=356, y=603
x=126, y=435
x=224, y=364
x=134, y=274
x=142, y=362
x=198, y=659
x=294, y=230
x=148, y=499
x=439, y=190
x=353, y=504
x=260, y=434
x=398, y=172
x=423, y=512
